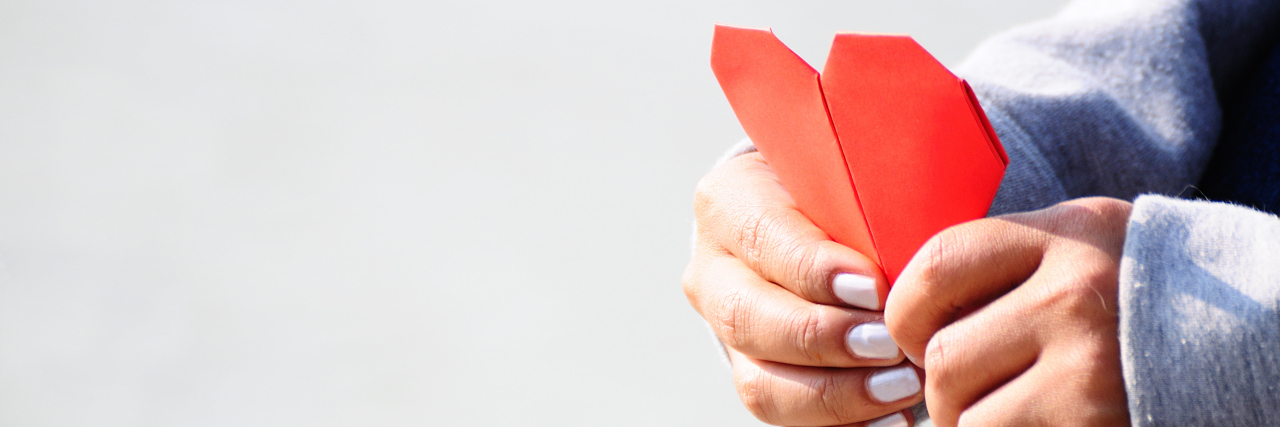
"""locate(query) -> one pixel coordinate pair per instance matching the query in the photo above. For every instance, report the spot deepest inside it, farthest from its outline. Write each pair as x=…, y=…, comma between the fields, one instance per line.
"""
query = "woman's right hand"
x=798, y=313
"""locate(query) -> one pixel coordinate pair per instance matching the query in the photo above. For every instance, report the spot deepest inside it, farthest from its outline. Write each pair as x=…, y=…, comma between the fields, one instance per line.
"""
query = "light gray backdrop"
x=241, y=213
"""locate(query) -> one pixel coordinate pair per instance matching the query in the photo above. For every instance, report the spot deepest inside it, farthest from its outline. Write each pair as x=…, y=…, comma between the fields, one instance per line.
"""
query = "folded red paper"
x=882, y=150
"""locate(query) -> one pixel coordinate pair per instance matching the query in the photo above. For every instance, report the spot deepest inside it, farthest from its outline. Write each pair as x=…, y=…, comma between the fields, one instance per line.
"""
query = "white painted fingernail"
x=892, y=385
x=872, y=341
x=856, y=290
x=895, y=420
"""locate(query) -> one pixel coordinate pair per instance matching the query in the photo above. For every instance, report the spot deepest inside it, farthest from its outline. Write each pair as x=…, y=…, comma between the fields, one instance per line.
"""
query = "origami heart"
x=882, y=150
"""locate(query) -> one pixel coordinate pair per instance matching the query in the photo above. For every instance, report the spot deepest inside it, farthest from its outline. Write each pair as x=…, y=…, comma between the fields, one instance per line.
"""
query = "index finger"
x=743, y=208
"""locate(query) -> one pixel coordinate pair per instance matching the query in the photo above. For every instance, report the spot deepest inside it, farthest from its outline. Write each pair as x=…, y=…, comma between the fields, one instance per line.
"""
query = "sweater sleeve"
x=1114, y=97
x=1199, y=327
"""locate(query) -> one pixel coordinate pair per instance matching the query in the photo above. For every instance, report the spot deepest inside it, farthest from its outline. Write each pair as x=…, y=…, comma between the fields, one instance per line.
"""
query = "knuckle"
x=942, y=248
x=1073, y=289
x=830, y=394
x=937, y=360
x=694, y=282
x=754, y=391
x=691, y=278
x=715, y=195
x=689, y=283
x=1074, y=218
x=1091, y=215
x=1080, y=297
x=1072, y=212
x=705, y=195
x=806, y=269
x=750, y=235
x=809, y=328
x=733, y=319
x=1083, y=290
x=947, y=372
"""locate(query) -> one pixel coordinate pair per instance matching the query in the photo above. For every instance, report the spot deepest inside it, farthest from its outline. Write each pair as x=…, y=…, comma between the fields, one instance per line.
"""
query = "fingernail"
x=856, y=290
x=895, y=420
x=892, y=385
x=872, y=341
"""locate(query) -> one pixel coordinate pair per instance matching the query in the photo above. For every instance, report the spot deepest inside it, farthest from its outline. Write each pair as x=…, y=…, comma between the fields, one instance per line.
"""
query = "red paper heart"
x=882, y=150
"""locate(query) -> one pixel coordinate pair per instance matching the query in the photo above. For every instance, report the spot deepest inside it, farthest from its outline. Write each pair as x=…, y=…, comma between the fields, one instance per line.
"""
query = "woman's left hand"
x=1014, y=318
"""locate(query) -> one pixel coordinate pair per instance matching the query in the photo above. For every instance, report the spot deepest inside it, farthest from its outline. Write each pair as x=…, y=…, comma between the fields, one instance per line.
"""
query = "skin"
x=1015, y=317
x=761, y=277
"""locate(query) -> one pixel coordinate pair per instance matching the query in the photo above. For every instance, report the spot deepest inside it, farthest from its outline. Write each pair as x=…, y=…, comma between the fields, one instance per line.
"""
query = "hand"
x=1014, y=318
x=777, y=292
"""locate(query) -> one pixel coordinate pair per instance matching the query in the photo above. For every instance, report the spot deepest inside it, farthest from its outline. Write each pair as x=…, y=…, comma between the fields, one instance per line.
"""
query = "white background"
x=267, y=212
